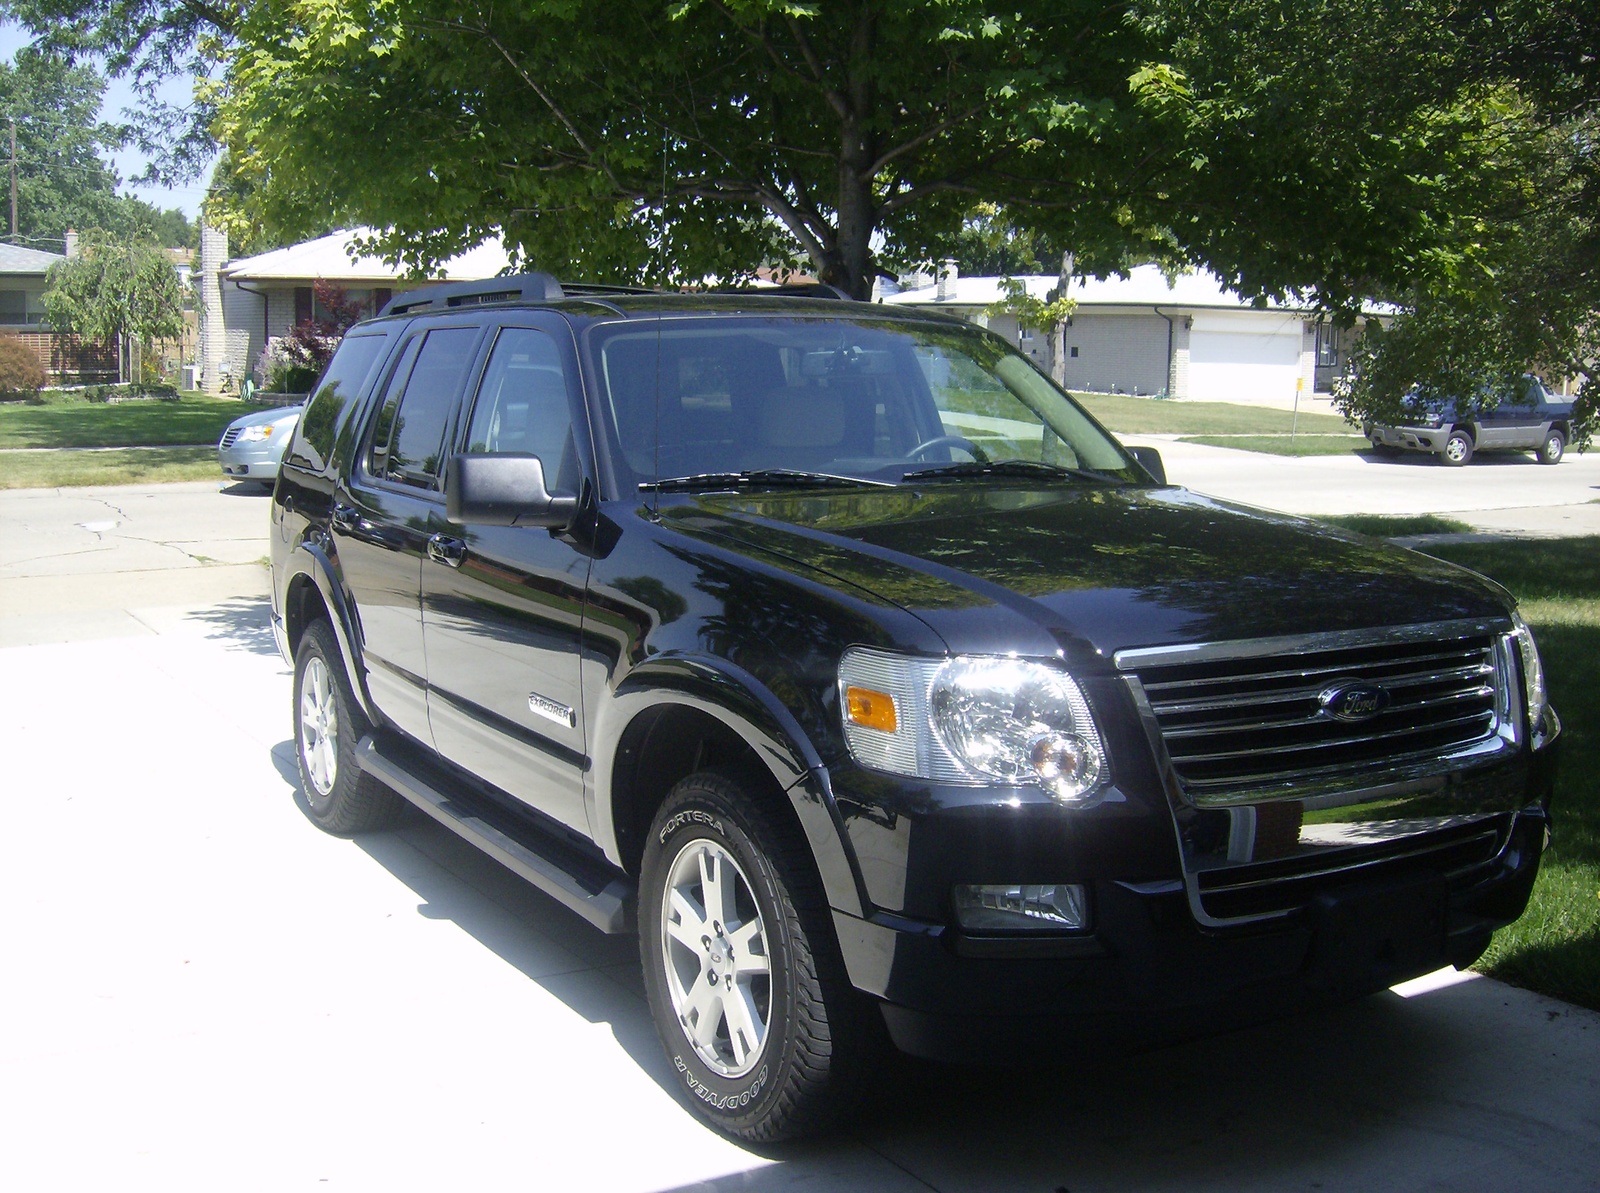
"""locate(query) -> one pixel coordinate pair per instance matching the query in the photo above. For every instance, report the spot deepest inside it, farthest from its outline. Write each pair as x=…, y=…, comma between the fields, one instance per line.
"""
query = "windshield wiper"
x=1009, y=468
x=759, y=477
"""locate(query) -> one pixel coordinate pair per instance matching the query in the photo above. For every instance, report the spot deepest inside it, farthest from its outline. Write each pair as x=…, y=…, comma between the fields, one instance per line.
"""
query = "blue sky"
x=129, y=162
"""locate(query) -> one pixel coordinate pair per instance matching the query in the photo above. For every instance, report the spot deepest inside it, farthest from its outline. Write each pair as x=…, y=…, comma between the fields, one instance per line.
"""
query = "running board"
x=608, y=907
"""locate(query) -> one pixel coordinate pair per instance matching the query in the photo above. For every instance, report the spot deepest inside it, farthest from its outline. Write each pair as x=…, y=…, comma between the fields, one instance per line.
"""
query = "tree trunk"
x=857, y=210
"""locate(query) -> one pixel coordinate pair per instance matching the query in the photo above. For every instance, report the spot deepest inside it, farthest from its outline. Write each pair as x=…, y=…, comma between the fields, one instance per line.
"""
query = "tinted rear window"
x=345, y=377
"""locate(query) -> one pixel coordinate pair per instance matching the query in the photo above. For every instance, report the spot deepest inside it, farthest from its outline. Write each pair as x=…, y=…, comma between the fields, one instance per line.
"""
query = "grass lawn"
x=141, y=466
x=1154, y=416
x=1283, y=445
x=1555, y=947
x=65, y=422
x=1396, y=525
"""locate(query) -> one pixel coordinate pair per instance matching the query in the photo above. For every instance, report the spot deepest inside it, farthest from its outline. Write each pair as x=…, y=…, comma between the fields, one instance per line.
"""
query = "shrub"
x=291, y=363
x=21, y=374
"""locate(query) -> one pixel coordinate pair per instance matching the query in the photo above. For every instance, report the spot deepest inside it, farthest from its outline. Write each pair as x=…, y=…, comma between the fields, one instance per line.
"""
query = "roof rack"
x=788, y=290
x=520, y=287
x=603, y=289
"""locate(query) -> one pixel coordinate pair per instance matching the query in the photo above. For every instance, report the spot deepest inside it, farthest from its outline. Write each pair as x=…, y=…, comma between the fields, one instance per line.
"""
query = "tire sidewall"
x=697, y=811
x=1466, y=445
x=1551, y=451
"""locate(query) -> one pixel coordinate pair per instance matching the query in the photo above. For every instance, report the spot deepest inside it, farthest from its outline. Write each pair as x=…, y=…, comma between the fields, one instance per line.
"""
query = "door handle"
x=446, y=550
x=346, y=517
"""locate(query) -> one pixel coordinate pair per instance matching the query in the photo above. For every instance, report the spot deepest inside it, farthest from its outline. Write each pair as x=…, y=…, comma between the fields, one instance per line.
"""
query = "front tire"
x=1457, y=449
x=341, y=798
x=741, y=967
x=1553, y=448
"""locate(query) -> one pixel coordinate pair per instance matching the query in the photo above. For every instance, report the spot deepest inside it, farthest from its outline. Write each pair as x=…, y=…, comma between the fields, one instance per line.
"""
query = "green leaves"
x=113, y=289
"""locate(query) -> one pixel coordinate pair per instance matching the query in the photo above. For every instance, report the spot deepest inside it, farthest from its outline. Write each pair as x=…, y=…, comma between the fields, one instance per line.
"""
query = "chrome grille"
x=1257, y=721
x=229, y=436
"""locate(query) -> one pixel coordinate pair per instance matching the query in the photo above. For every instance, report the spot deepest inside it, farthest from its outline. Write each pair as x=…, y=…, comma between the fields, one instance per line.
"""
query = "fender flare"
x=308, y=559
x=744, y=705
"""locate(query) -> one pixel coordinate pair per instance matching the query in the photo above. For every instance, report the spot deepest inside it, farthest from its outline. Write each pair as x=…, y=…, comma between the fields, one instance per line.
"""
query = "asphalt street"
x=203, y=992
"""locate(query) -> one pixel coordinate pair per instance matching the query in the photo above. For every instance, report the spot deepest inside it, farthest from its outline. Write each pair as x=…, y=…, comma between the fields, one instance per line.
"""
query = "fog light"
x=1017, y=908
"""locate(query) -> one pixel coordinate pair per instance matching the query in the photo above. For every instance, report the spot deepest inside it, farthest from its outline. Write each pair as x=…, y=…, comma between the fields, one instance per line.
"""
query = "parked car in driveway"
x=251, y=449
x=1531, y=420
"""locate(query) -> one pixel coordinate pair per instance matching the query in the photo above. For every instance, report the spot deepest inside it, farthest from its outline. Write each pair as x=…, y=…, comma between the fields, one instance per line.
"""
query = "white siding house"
x=1187, y=338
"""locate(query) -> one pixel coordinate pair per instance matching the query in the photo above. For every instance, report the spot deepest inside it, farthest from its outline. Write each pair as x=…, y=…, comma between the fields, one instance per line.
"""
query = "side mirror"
x=1150, y=460
x=503, y=489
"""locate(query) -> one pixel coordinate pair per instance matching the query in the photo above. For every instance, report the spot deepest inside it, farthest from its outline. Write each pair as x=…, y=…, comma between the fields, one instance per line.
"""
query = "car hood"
x=994, y=567
x=276, y=414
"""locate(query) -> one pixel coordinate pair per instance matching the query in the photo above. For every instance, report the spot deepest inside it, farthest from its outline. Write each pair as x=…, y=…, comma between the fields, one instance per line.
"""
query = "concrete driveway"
x=201, y=991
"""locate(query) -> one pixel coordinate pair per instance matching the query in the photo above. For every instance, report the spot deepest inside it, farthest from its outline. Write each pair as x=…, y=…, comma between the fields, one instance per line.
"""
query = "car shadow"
x=1489, y=459
x=247, y=489
x=1335, y=1093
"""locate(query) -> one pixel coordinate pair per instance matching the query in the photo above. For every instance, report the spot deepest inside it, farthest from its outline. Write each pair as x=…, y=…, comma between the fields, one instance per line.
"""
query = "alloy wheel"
x=319, y=726
x=718, y=967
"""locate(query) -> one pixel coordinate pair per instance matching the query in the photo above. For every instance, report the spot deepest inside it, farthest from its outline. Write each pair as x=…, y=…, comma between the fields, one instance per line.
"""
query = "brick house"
x=247, y=301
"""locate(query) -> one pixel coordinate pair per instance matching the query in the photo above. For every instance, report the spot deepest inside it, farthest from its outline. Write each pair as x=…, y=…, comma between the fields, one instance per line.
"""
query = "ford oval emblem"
x=1353, y=701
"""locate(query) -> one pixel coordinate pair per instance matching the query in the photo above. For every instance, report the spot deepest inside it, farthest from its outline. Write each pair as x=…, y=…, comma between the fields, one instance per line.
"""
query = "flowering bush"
x=291, y=363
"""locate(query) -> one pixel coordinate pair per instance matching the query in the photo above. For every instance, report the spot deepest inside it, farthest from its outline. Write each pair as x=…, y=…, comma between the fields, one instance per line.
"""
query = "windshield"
x=774, y=400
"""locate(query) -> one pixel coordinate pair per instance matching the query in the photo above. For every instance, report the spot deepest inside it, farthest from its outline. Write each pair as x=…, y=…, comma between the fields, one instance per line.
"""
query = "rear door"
x=503, y=606
x=382, y=518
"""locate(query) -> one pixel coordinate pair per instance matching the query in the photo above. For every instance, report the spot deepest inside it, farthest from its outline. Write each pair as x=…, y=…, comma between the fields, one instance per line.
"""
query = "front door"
x=503, y=606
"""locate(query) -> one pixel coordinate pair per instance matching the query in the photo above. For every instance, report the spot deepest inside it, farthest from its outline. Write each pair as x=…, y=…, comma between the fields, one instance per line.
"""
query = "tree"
x=1465, y=136
x=120, y=292
x=990, y=244
x=1344, y=148
x=63, y=180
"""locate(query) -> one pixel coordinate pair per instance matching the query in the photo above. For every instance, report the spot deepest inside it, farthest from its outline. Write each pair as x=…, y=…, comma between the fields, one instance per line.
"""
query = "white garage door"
x=1227, y=364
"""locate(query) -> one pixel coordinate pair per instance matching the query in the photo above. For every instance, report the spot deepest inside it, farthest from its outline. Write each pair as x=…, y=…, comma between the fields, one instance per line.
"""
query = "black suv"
x=848, y=661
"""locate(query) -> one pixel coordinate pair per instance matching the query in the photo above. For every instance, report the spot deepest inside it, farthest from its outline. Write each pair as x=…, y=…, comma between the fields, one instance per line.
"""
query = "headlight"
x=257, y=432
x=971, y=718
x=1533, y=686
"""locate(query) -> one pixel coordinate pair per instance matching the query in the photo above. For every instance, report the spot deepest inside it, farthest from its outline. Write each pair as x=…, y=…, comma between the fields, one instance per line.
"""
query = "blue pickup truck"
x=1531, y=420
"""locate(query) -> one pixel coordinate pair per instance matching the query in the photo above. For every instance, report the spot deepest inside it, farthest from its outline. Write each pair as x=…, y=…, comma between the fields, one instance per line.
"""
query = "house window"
x=1074, y=352
x=21, y=307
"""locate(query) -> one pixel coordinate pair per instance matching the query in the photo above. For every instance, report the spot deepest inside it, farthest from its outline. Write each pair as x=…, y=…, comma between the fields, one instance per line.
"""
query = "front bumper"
x=1419, y=439
x=1148, y=970
x=1150, y=975
x=257, y=461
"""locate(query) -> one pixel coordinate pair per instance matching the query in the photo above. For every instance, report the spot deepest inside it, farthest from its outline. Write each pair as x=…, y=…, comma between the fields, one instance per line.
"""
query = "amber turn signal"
x=873, y=710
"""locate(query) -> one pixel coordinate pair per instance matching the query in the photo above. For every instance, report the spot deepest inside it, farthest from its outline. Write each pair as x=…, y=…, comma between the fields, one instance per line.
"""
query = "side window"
x=522, y=406
x=346, y=376
x=408, y=440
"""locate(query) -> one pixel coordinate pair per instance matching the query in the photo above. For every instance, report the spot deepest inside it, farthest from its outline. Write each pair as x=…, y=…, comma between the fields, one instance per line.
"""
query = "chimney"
x=948, y=274
x=72, y=243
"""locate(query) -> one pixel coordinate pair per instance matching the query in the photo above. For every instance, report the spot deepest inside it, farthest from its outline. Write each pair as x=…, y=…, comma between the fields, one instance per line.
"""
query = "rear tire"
x=742, y=969
x=341, y=798
x=1553, y=448
x=1457, y=449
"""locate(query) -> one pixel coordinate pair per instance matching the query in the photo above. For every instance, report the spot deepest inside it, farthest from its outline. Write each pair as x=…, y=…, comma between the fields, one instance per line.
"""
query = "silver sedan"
x=252, y=447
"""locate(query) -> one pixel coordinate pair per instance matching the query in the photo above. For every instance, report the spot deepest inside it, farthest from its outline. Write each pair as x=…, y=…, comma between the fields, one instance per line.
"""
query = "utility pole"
x=13, y=121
